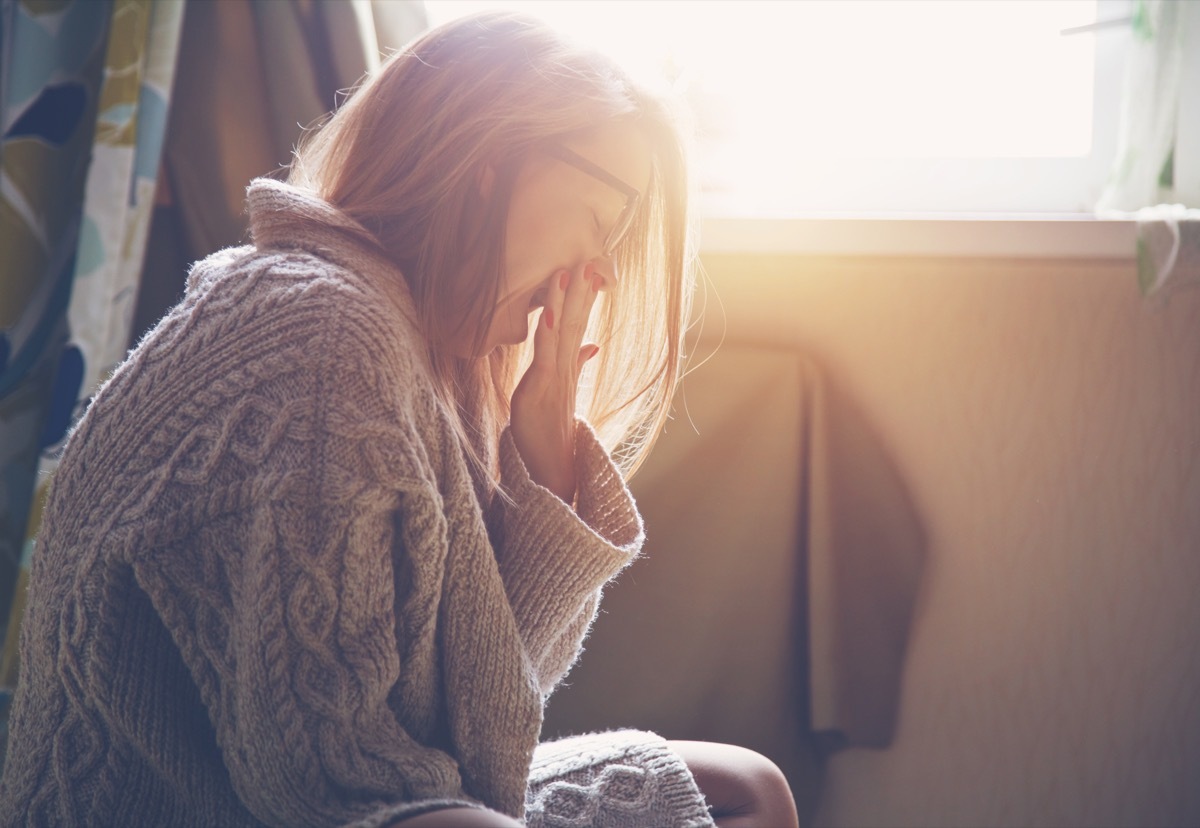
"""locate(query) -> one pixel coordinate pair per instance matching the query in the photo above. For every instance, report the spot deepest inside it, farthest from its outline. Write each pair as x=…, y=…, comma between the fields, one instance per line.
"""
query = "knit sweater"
x=268, y=591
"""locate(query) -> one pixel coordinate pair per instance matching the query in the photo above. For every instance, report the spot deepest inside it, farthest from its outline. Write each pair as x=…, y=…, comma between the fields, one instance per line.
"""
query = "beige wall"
x=1047, y=420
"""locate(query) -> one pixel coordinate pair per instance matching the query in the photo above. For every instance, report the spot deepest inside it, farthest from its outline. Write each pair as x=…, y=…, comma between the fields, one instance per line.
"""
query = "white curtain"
x=1156, y=176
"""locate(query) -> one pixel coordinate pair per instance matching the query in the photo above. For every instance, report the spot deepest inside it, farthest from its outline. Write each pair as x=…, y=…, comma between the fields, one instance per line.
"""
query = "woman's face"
x=559, y=219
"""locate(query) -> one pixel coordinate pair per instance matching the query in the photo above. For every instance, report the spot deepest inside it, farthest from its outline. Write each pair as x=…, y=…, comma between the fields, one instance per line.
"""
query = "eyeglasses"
x=632, y=197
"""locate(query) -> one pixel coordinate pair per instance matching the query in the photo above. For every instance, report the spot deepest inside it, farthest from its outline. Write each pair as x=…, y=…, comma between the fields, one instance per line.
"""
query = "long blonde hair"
x=404, y=156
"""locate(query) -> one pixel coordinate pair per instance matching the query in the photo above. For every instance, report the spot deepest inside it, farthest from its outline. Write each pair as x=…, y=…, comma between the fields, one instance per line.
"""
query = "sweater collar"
x=286, y=217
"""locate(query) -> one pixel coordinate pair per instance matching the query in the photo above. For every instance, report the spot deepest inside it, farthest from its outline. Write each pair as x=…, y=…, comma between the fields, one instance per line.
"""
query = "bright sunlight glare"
x=779, y=87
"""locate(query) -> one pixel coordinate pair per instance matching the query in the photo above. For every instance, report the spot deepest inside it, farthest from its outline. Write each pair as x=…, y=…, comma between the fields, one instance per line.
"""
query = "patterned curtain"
x=85, y=91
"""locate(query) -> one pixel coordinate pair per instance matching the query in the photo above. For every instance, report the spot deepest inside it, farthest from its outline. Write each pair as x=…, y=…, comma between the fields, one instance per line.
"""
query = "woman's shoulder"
x=273, y=330
x=270, y=355
x=259, y=280
x=288, y=295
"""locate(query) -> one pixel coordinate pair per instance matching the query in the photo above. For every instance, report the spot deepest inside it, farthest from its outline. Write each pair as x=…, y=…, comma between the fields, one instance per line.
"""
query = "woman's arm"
x=278, y=580
x=284, y=614
x=553, y=560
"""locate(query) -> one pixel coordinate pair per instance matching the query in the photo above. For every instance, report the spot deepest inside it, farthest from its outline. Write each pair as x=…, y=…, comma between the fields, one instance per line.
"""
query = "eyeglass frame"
x=633, y=198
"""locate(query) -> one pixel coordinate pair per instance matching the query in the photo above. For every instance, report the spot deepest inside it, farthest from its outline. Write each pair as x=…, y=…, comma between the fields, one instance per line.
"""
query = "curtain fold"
x=288, y=61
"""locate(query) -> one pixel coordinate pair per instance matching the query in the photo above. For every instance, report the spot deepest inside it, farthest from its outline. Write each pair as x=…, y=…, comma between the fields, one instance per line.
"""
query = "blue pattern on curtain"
x=115, y=131
x=52, y=65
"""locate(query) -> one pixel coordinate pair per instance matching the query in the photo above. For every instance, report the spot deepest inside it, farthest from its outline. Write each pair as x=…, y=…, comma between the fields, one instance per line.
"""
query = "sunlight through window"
x=798, y=103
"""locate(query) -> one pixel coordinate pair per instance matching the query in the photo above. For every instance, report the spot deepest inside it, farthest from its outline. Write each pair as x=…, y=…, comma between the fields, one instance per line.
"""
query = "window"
x=818, y=107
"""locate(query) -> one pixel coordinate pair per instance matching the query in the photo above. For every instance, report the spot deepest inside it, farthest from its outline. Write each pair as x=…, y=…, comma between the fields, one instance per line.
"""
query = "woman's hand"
x=543, y=404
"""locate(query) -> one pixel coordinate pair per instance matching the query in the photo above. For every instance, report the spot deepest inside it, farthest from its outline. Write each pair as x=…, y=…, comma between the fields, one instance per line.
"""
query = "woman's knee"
x=463, y=817
x=742, y=787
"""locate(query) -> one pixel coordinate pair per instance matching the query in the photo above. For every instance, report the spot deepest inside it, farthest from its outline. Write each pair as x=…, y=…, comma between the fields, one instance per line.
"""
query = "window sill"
x=1022, y=236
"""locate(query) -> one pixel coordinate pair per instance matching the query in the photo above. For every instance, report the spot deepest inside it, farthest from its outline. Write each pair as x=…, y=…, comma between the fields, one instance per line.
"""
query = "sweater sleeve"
x=292, y=501
x=553, y=560
x=284, y=614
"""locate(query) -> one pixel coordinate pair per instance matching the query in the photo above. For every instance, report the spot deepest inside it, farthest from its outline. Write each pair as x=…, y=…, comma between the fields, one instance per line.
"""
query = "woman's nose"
x=606, y=269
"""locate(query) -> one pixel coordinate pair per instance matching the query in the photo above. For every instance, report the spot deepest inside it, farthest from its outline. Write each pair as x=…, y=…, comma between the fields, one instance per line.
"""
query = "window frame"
x=1002, y=207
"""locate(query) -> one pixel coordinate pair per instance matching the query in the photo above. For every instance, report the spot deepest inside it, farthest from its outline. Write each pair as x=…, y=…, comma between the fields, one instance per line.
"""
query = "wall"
x=1047, y=420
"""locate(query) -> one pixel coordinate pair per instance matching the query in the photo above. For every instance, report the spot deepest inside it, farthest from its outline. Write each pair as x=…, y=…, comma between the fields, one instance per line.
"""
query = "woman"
x=325, y=543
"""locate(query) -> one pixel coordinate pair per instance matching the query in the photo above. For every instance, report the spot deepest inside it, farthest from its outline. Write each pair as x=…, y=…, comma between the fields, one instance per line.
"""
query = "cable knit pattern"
x=616, y=780
x=265, y=590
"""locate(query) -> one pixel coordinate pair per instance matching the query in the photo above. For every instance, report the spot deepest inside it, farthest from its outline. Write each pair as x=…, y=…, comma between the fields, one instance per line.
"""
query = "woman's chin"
x=521, y=335
x=510, y=341
x=518, y=334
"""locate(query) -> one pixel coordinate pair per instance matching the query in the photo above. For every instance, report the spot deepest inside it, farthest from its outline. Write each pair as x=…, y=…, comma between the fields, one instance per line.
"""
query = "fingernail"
x=549, y=314
x=564, y=279
x=596, y=282
x=595, y=349
x=589, y=270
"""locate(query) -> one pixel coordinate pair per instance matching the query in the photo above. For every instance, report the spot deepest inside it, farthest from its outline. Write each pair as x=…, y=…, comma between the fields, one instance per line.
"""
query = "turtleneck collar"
x=285, y=217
